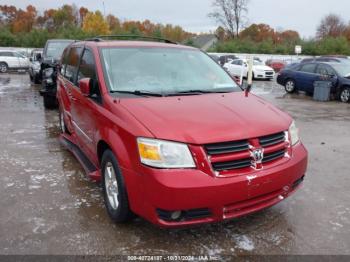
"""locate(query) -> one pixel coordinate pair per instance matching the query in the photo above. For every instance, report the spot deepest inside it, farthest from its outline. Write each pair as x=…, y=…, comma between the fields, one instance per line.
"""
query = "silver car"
x=12, y=60
x=34, y=65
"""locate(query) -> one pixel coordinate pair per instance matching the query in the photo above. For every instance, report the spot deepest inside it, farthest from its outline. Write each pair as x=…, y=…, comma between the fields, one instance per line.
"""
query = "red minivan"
x=171, y=136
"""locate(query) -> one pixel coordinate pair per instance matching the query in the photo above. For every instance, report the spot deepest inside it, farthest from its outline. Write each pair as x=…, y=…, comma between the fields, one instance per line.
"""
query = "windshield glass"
x=342, y=69
x=163, y=70
x=256, y=62
x=55, y=49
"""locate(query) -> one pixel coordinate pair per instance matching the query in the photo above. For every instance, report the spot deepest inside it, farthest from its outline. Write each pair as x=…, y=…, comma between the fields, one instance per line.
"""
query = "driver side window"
x=87, y=69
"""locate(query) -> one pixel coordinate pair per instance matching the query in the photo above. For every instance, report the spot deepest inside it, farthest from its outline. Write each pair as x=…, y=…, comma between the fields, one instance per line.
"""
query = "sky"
x=300, y=15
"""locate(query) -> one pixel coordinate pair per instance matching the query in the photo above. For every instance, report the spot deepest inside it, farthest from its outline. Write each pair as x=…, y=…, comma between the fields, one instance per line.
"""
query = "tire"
x=63, y=126
x=3, y=67
x=50, y=102
x=289, y=86
x=344, y=95
x=114, y=190
x=36, y=79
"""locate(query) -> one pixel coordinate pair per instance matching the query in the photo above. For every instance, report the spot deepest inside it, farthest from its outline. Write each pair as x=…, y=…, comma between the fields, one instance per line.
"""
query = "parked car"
x=276, y=65
x=48, y=69
x=260, y=71
x=171, y=136
x=227, y=58
x=303, y=76
x=216, y=58
x=34, y=65
x=329, y=59
x=12, y=60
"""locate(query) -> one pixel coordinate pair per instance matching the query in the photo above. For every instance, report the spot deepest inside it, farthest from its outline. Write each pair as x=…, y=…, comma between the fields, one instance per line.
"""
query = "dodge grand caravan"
x=170, y=135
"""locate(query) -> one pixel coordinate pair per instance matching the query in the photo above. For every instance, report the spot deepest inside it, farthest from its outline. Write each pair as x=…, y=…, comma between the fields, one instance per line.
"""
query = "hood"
x=262, y=68
x=208, y=118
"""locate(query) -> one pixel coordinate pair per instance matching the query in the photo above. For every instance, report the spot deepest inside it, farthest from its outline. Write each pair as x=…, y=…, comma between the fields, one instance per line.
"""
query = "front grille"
x=269, y=73
x=237, y=155
x=273, y=156
x=237, y=164
x=272, y=139
x=227, y=147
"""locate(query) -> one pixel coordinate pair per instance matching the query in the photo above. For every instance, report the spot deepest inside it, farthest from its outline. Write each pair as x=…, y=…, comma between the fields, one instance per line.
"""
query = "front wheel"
x=345, y=95
x=114, y=189
x=289, y=86
x=3, y=67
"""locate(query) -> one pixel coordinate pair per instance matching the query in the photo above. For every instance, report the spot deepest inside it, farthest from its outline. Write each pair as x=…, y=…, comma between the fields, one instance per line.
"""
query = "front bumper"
x=264, y=75
x=225, y=198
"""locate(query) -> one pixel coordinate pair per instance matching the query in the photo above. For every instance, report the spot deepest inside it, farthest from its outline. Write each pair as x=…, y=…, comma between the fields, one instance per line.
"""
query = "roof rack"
x=129, y=37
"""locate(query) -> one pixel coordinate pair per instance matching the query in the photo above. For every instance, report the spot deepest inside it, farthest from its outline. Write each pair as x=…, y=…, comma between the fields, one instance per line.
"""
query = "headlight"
x=48, y=72
x=164, y=154
x=294, y=134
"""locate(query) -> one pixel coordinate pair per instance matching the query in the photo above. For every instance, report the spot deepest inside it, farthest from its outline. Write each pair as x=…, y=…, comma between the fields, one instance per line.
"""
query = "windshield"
x=342, y=69
x=256, y=62
x=55, y=49
x=164, y=70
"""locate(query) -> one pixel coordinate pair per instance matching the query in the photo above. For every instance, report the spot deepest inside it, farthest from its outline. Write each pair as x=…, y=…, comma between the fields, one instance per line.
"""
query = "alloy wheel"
x=345, y=95
x=290, y=86
x=62, y=124
x=3, y=68
x=111, y=186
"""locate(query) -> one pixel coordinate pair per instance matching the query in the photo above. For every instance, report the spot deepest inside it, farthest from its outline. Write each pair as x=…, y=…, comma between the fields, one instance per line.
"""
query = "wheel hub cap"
x=111, y=185
x=345, y=95
x=290, y=86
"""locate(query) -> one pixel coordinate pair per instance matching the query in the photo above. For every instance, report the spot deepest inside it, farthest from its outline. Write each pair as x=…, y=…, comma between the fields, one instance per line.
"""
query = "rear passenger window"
x=324, y=70
x=87, y=69
x=308, y=68
x=64, y=61
x=72, y=64
x=7, y=54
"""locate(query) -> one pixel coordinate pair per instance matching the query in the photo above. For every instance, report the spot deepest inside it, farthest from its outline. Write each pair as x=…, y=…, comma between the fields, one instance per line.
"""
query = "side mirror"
x=84, y=86
x=30, y=59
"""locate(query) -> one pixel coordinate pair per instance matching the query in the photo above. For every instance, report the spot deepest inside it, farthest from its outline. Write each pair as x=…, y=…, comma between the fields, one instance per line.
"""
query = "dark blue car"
x=302, y=77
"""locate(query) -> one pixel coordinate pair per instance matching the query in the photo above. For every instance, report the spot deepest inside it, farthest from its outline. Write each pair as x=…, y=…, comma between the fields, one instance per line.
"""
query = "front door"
x=306, y=76
x=85, y=108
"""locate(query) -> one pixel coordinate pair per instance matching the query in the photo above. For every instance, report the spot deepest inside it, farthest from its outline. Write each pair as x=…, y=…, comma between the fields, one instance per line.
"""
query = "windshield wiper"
x=137, y=93
x=197, y=92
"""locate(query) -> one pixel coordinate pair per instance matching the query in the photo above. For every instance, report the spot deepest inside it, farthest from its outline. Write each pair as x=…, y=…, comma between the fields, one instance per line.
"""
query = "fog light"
x=176, y=215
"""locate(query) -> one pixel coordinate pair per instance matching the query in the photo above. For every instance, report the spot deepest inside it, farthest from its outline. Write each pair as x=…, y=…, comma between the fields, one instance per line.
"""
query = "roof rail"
x=129, y=37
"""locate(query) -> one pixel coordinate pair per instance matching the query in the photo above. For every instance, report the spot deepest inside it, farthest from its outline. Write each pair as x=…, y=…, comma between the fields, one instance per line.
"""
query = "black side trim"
x=83, y=159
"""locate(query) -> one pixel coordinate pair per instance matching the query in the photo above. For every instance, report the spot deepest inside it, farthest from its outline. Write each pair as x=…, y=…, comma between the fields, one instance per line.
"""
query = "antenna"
x=104, y=9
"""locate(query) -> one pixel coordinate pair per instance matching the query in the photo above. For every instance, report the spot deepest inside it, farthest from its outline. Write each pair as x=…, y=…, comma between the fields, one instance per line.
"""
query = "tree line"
x=28, y=28
x=332, y=35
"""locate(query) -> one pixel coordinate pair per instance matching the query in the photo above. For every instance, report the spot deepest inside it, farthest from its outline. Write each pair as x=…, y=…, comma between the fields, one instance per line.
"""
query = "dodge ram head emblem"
x=258, y=156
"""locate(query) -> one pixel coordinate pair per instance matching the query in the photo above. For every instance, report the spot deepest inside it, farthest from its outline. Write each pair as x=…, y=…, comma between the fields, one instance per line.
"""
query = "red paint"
x=194, y=120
